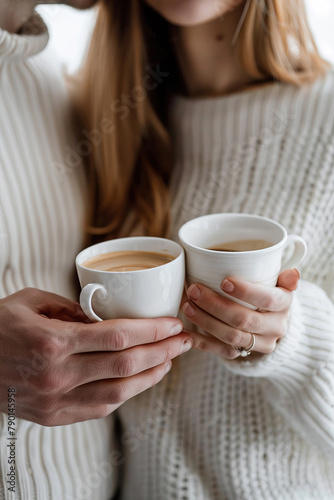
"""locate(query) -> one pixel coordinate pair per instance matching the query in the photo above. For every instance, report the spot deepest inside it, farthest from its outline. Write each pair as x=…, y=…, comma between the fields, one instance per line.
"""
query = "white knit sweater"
x=41, y=228
x=219, y=430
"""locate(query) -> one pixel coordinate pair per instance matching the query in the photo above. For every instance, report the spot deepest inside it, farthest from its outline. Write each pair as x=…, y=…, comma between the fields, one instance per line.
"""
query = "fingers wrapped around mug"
x=233, y=329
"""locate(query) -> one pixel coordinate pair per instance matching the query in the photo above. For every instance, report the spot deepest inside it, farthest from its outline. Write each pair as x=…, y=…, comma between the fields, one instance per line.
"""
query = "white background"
x=70, y=30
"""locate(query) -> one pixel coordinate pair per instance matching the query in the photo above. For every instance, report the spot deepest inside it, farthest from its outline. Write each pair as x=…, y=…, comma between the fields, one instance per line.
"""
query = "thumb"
x=55, y=306
x=289, y=280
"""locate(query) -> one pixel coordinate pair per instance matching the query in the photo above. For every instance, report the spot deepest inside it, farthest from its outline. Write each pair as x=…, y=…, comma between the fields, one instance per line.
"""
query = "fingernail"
x=194, y=292
x=168, y=366
x=188, y=310
x=186, y=346
x=177, y=329
x=227, y=286
x=297, y=273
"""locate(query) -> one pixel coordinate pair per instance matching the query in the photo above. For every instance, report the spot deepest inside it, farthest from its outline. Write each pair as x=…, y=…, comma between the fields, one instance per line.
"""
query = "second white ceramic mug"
x=210, y=267
x=148, y=293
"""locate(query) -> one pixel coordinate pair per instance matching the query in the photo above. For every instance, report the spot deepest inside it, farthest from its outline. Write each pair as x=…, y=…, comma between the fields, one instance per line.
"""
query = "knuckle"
x=48, y=382
x=71, y=337
x=125, y=365
x=230, y=353
x=233, y=337
x=201, y=345
x=270, y=347
x=117, y=339
x=214, y=307
x=257, y=322
x=280, y=301
x=244, y=291
x=243, y=321
x=50, y=347
x=276, y=302
x=117, y=394
x=103, y=411
x=170, y=351
x=157, y=375
x=46, y=406
x=269, y=303
x=155, y=332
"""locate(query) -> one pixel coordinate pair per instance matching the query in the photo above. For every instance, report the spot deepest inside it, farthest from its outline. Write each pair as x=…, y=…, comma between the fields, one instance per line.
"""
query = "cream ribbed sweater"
x=264, y=430
x=41, y=214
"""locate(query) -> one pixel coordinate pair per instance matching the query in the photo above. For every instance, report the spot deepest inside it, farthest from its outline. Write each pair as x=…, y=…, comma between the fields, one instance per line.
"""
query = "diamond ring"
x=246, y=351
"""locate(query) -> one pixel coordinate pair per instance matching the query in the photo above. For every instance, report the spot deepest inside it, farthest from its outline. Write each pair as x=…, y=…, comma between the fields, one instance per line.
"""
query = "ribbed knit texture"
x=41, y=228
x=244, y=430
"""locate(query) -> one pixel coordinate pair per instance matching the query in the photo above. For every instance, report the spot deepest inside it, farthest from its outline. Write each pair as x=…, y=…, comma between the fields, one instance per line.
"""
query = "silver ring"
x=244, y=352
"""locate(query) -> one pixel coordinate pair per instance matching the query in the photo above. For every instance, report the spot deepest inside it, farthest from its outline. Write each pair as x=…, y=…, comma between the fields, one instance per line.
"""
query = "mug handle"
x=86, y=297
x=298, y=254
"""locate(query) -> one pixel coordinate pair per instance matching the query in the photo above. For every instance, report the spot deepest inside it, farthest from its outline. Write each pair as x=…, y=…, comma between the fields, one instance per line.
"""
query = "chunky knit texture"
x=220, y=430
x=41, y=229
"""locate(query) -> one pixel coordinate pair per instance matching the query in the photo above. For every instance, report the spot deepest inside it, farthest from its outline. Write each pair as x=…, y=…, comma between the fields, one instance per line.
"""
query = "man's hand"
x=65, y=369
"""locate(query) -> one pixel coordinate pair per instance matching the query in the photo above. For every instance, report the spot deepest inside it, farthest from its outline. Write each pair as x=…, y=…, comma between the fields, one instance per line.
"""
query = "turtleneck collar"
x=32, y=40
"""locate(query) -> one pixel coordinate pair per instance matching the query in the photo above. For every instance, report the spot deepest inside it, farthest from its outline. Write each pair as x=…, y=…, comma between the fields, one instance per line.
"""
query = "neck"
x=15, y=13
x=208, y=59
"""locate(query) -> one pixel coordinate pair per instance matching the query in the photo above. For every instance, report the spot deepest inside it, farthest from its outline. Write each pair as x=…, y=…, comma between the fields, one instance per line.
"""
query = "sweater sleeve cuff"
x=306, y=345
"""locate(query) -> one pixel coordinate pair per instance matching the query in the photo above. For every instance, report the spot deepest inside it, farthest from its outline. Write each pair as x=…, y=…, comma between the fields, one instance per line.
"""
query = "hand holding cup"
x=241, y=299
x=65, y=369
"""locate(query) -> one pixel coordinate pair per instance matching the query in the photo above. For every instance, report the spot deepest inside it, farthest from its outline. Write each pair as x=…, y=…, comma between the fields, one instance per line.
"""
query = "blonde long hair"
x=124, y=92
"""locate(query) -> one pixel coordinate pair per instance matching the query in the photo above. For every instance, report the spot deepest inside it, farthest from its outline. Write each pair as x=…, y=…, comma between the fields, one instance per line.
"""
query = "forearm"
x=299, y=374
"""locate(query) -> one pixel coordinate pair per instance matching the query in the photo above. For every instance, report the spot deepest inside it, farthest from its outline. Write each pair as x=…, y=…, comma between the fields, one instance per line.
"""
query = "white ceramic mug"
x=148, y=293
x=210, y=267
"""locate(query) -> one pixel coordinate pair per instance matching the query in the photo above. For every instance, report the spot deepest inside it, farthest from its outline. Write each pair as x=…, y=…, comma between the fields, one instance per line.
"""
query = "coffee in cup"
x=139, y=277
x=209, y=261
x=241, y=246
x=127, y=260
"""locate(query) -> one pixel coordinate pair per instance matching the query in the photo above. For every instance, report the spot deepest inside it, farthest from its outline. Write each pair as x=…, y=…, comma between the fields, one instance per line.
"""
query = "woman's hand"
x=65, y=369
x=229, y=325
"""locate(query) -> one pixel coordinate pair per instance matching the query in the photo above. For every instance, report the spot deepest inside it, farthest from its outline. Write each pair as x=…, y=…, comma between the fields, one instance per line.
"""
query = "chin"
x=192, y=12
x=81, y=4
